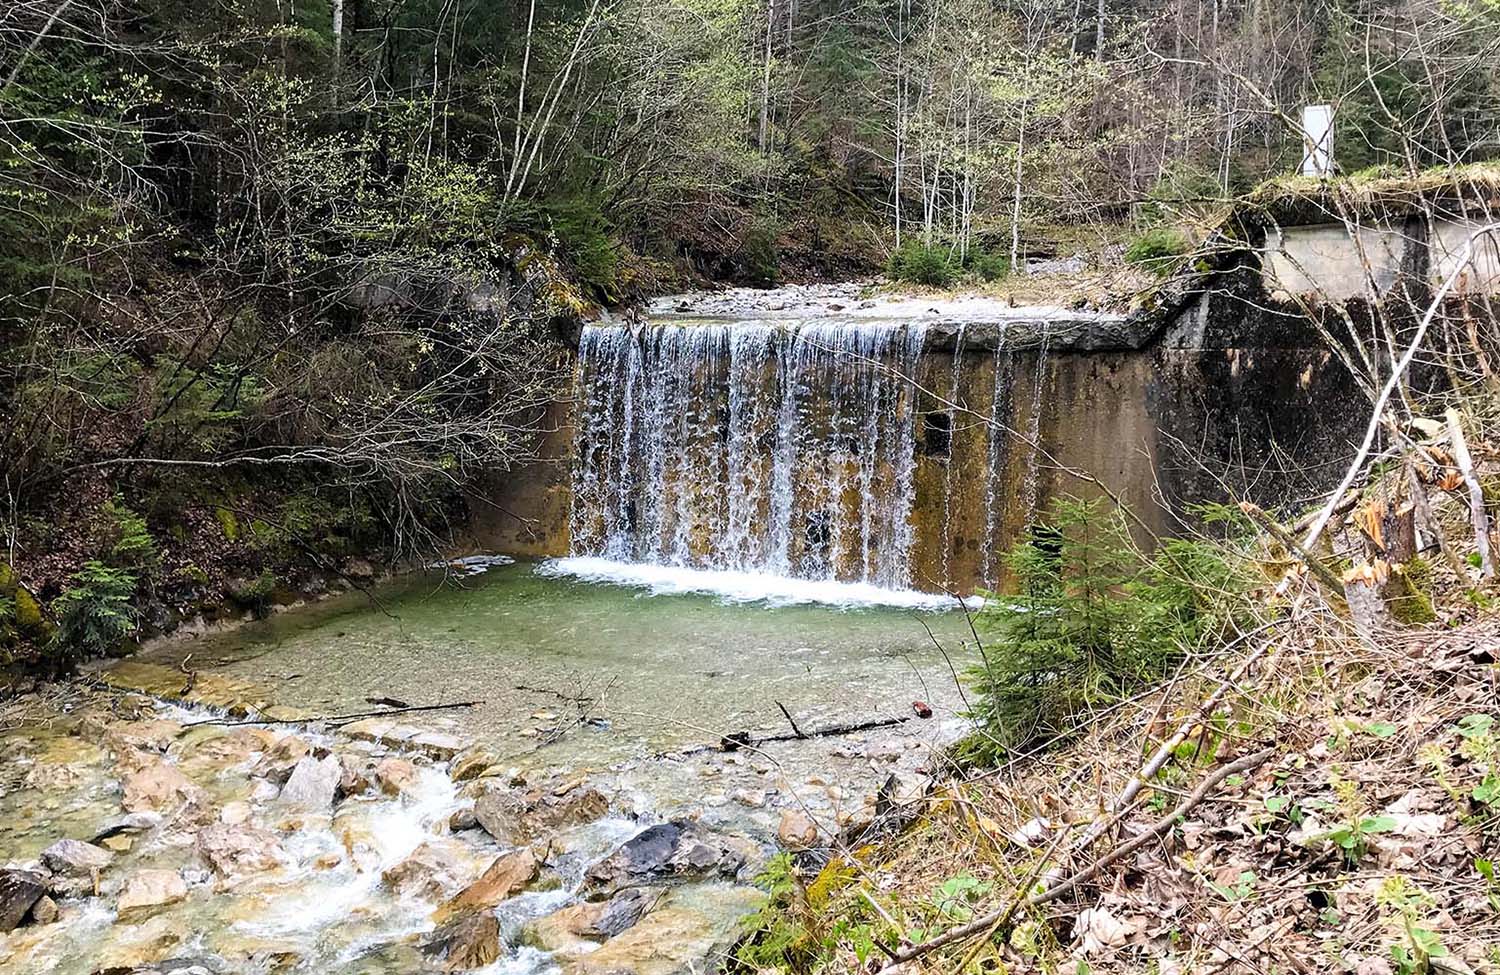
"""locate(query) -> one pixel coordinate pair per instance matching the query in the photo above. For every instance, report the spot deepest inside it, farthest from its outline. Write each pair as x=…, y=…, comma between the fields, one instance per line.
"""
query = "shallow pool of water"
x=655, y=670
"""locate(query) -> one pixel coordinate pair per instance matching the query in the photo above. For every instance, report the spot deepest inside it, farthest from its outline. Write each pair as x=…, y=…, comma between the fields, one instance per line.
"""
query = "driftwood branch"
x=796, y=731
x=995, y=919
x=334, y=718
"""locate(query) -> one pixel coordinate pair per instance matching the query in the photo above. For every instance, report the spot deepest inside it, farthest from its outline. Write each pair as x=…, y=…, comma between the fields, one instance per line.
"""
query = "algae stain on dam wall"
x=903, y=451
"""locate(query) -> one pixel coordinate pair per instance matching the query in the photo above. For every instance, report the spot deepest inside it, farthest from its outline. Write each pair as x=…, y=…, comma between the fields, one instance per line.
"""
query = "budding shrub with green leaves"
x=1092, y=620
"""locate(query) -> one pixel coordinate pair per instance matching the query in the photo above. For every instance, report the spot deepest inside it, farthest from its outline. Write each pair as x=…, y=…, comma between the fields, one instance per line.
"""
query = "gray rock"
x=75, y=858
x=136, y=822
x=666, y=851
x=236, y=849
x=19, y=890
x=624, y=910
x=313, y=783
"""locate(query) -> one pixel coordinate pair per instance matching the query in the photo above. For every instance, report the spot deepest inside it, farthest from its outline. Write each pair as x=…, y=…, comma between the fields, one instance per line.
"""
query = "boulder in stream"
x=313, y=783
x=153, y=785
x=75, y=858
x=430, y=872
x=465, y=942
x=148, y=892
x=514, y=817
x=235, y=849
x=676, y=850
x=504, y=878
x=19, y=890
x=395, y=775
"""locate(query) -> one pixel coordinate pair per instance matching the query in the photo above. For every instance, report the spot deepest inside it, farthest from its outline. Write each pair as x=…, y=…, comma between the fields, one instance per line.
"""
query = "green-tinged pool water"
x=660, y=670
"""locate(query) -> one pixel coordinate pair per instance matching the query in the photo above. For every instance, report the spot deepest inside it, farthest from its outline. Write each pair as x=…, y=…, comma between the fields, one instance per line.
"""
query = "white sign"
x=1317, y=140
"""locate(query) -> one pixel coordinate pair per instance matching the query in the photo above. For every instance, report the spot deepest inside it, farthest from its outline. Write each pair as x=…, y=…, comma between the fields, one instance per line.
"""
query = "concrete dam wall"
x=910, y=446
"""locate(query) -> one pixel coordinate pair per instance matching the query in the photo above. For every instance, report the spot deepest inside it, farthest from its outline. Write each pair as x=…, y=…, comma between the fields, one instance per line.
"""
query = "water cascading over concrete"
x=856, y=451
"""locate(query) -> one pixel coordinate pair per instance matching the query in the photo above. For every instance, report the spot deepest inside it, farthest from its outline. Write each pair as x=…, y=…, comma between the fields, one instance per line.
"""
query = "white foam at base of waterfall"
x=747, y=587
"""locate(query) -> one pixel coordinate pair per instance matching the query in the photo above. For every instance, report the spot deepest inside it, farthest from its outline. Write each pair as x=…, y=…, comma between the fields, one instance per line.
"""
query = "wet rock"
x=148, y=892
x=563, y=930
x=515, y=817
x=235, y=813
x=436, y=744
x=465, y=942
x=359, y=843
x=233, y=850
x=470, y=765
x=313, y=783
x=498, y=812
x=671, y=939
x=44, y=911
x=666, y=851
x=141, y=946
x=19, y=890
x=139, y=822
x=75, y=858
x=749, y=798
x=623, y=911
x=797, y=831
x=431, y=872
x=118, y=844
x=463, y=819
x=152, y=785
x=395, y=776
x=355, y=777
x=507, y=876
x=153, y=735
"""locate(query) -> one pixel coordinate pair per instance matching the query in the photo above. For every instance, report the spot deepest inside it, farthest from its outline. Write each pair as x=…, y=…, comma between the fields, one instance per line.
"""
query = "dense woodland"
x=278, y=278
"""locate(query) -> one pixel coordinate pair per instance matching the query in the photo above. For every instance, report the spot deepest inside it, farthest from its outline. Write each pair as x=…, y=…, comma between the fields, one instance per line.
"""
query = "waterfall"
x=786, y=449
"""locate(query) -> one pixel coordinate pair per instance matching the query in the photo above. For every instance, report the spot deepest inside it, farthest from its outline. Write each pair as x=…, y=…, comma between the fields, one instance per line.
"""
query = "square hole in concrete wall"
x=937, y=434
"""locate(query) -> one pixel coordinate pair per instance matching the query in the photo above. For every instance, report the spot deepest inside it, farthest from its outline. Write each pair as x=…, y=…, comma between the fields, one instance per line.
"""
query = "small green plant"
x=94, y=615
x=921, y=263
x=1406, y=908
x=1242, y=887
x=132, y=546
x=1486, y=869
x=1353, y=837
x=956, y=896
x=1481, y=747
x=1157, y=249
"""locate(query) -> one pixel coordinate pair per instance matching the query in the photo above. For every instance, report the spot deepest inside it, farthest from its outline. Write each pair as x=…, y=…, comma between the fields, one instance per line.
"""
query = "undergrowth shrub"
x=1093, y=620
x=987, y=265
x=1157, y=248
x=94, y=614
x=922, y=263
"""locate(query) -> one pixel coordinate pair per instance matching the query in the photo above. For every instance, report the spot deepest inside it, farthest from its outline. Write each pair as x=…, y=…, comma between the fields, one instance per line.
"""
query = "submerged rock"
x=75, y=858
x=152, y=785
x=666, y=851
x=313, y=783
x=19, y=891
x=465, y=942
x=148, y=892
x=507, y=876
x=234, y=849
